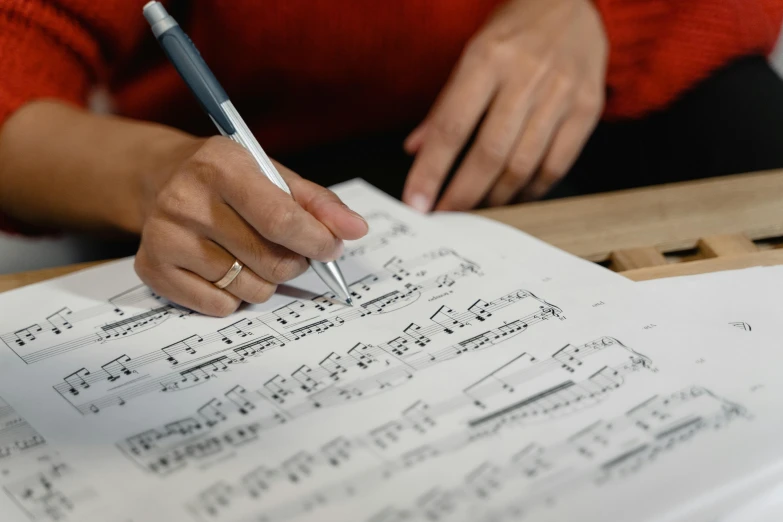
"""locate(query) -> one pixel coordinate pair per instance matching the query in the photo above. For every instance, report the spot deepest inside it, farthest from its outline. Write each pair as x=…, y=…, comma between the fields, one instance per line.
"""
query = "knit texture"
x=305, y=71
x=661, y=48
x=311, y=70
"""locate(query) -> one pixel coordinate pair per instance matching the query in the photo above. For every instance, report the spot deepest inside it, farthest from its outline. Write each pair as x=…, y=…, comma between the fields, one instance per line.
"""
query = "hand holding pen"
x=228, y=225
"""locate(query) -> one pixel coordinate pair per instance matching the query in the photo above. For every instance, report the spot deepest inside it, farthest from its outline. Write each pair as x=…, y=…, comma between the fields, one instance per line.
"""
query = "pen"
x=214, y=100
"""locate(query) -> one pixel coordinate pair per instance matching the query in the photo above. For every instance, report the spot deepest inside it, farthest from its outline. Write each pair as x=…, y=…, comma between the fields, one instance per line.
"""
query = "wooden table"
x=679, y=229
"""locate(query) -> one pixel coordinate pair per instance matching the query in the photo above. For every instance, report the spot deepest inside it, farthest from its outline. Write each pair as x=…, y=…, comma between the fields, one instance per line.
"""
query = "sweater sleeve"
x=661, y=48
x=60, y=49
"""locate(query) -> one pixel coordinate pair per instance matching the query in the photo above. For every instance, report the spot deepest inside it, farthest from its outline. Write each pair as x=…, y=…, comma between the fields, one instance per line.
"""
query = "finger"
x=463, y=101
x=270, y=261
x=414, y=140
x=531, y=147
x=566, y=146
x=271, y=211
x=185, y=288
x=489, y=154
x=329, y=209
x=209, y=260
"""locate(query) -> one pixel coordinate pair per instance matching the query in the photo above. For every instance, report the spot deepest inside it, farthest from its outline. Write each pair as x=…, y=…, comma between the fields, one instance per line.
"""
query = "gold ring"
x=232, y=274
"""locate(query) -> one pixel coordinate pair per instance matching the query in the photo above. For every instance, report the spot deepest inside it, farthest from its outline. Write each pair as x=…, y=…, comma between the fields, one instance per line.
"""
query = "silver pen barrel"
x=213, y=98
x=329, y=272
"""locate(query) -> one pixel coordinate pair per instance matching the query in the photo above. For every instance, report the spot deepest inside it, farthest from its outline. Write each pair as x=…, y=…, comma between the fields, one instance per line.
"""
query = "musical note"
x=23, y=336
x=77, y=379
x=59, y=320
x=187, y=346
x=137, y=323
x=239, y=329
x=447, y=392
x=331, y=363
x=117, y=368
x=289, y=312
x=238, y=395
x=307, y=383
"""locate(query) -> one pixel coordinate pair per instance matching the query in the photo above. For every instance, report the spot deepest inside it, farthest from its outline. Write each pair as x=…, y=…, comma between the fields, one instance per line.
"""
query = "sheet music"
x=483, y=375
x=36, y=483
x=750, y=300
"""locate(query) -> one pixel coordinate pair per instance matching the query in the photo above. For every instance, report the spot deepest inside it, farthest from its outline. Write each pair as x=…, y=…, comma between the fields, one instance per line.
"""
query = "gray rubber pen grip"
x=189, y=64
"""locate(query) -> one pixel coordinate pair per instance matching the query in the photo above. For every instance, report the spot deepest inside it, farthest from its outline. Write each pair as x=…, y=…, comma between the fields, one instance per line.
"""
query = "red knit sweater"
x=304, y=71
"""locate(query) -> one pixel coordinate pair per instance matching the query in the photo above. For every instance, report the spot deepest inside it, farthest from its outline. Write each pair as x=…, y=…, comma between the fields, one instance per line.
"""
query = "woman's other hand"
x=531, y=86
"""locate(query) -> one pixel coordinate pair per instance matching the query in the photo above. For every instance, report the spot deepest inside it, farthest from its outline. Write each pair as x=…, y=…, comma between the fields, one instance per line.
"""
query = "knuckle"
x=551, y=174
x=222, y=306
x=501, y=51
x=491, y=151
x=219, y=161
x=205, y=163
x=520, y=167
x=475, y=48
x=461, y=203
x=254, y=248
x=493, y=49
x=590, y=101
x=323, y=198
x=212, y=146
x=451, y=130
x=324, y=247
x=143, y=267
x=287, y=267
x=174, y=200
x=279, y=220
x=262, y=293
x=146, y=263
x=565, y=83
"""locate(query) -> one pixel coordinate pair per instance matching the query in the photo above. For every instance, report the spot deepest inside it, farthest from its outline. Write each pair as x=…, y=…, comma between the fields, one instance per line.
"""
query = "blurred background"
x=19, y=253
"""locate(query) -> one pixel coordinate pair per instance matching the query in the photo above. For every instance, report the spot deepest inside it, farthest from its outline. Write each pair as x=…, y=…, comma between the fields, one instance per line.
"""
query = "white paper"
x=36, y=483
x=483, y=375
x=750, y=300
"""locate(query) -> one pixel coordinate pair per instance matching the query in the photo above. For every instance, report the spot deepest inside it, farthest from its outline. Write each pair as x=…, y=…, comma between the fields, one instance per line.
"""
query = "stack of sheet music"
x=482, y=376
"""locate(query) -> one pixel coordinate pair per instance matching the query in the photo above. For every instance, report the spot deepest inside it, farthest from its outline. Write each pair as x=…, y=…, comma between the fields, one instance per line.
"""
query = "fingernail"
x=354, y=213
x=421, y=203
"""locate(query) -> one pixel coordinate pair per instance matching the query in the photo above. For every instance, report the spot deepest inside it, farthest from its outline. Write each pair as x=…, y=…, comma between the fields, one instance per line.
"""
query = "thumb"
x=327, y=208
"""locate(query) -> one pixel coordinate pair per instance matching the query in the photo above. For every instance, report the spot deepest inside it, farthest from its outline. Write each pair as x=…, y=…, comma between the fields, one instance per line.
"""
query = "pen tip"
x=349, y=301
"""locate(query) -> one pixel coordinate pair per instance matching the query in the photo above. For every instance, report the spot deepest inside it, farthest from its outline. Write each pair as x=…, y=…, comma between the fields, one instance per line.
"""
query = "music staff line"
x=49, y=494
x=16, y=434
x=64, y=319
x=597, y=454
x=203, y=366
x=420, y=418
x=398, y=348
x=395, y=269
x=277, y=321
x=167, y=448
x=392, y=230
x=613, y=450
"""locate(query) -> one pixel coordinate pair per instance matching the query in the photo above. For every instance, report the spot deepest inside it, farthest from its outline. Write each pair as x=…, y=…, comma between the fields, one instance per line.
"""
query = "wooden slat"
x=726, y=245
x=636, y=258
x=716, y=264
x=636, y=225
x=11, y=281
x=669, y=217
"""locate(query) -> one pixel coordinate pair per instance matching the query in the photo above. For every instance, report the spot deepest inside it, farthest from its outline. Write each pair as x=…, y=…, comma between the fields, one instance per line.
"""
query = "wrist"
x=160, y=154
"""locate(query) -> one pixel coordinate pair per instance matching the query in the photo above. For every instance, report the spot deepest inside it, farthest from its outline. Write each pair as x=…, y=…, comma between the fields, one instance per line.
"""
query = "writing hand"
x=536, y=74
x=217, y=206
